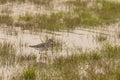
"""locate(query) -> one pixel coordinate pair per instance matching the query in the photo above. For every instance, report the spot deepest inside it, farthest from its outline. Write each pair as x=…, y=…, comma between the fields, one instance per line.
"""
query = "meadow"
x=98, y=65
x=86, y=38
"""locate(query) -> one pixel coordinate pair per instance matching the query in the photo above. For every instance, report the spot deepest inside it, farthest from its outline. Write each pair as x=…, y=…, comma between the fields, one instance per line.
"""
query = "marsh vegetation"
x=92, y=65
x=85, y=37
x=80, y=14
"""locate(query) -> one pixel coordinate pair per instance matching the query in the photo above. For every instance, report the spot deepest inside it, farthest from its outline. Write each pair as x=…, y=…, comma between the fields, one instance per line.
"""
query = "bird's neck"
x=49, y=43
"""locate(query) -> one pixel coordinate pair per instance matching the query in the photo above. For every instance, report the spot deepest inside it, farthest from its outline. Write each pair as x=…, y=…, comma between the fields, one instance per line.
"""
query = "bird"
x=42, y=47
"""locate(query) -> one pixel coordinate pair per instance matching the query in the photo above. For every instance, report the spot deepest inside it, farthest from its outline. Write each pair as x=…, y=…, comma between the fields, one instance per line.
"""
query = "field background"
x=86, y=36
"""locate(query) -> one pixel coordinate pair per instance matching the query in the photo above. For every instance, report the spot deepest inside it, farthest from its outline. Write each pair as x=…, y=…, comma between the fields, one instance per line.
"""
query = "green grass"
x=87, y=19
x=6, y=49
x=101, y=66
x=6, y=19
x=7, y=53
x=40, y=21
x=117, y=75
x=41, y=2
x=79, y=15
x=55, y=21
x=118, y=34
x=4, y=1
x=104, y=60
x=56, y=46
x=38, y=2
x=92, y=16
x=101, y=37
x=110, y=11
x=29, y=74
x=95, y=65
x=111, y=51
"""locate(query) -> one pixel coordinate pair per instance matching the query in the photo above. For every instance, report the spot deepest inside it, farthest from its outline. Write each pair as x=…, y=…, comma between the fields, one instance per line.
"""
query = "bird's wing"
x=38, y=45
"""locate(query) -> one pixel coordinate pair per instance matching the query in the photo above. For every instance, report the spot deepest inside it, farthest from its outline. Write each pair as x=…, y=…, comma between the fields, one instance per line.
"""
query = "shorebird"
x=42, y=47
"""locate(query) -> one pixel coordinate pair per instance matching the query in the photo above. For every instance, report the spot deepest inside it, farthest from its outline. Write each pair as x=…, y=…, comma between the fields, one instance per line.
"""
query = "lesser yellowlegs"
x=42, y=46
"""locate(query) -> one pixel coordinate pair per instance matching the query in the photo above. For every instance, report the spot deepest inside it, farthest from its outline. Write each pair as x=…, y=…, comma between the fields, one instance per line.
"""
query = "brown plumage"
x=42, y=46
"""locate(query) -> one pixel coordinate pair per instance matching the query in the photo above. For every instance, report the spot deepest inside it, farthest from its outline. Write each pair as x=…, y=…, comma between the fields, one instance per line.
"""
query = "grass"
x=6, y=11
x=11, y=31
x=5, y=1
x=6, y=19
x=41, y=2
x=55, y=21
x=117, y=75
x=6, y=49
x=95, y=65
x=40, y=21
x=94, y=15
x=118, y=34
x=79, y=15
x=112, y=51
x=7, y=53
x=101, y=37
x=29, y=74
x=56, y=46
x=37, y=2
x=101, y=64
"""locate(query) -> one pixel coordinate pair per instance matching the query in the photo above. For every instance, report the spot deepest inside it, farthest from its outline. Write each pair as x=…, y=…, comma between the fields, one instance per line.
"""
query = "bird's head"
x=50, y=41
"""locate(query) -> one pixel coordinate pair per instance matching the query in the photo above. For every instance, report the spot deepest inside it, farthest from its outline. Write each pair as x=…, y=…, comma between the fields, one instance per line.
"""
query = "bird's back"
x=38, y=45
x=42, y=46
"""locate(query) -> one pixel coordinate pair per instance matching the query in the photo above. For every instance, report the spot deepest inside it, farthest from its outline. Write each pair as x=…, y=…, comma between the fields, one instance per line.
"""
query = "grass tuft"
x=117, y=75
x=37, y=2
x=95, y=65
x=6, y=49
x=6, y=19
x=111, y=51
x=29, y=74
x=7, y=53
x=101, y=37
